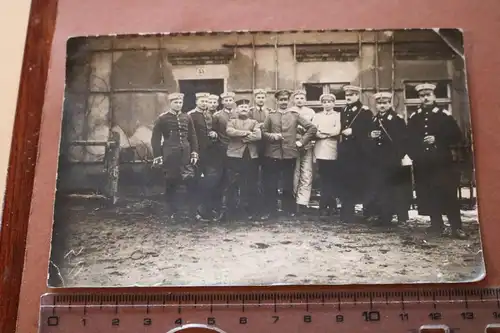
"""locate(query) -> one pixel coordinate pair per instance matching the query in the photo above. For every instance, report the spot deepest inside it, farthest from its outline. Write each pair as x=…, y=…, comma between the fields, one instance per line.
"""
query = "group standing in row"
x=247, y=154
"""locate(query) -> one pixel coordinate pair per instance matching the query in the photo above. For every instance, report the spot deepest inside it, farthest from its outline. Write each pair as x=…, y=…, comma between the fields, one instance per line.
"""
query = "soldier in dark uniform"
x=242, y=160
x=259, y=112
x=433, y=132
x=206, y=175
x=179, y=151
x=386, y=149
x=356, y=120
x=219, y=125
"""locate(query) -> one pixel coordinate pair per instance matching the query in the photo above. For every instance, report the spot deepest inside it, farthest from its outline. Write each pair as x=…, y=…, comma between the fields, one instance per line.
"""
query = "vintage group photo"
x=332, y=158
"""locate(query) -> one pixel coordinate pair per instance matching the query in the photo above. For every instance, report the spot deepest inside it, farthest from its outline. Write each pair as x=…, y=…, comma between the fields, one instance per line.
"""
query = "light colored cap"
x=173, y=96
x=425, y=86
x=299, y=92
x=382, y=95
x=352, y=88
x=227, y=94
x=213, y=97
x=327, y=96
x=202, y=94
x=259, y=91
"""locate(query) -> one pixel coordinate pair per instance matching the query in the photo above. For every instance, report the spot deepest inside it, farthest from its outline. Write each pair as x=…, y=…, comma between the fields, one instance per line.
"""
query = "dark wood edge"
x=23, y=156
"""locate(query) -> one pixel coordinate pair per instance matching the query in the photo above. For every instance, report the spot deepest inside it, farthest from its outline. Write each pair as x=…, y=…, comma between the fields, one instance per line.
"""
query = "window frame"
x=326, y=90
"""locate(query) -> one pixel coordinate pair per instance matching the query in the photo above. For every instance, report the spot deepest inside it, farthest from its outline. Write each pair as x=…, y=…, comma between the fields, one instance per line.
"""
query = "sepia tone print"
x=334, y=157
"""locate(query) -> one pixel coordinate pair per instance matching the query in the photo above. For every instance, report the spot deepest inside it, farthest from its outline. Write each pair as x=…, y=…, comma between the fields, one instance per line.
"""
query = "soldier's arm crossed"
x=267, y=131
x=255, y=135
x=310, y=132
x=233, y=132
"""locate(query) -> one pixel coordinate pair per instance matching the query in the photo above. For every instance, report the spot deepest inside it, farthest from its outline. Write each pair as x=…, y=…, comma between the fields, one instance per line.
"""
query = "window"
x=315, y=90
x=412, y=102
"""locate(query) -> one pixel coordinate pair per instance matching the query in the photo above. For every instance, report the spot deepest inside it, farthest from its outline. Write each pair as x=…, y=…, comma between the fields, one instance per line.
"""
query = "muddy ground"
x=134, y=243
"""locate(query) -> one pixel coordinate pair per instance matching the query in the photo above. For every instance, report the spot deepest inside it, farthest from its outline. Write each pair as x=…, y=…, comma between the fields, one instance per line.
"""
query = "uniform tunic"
x=437, y=178
x=386, y=152
x=202, y=121
x=286, y=124
x=220, y=120
x=179, y=142
x=260, y=114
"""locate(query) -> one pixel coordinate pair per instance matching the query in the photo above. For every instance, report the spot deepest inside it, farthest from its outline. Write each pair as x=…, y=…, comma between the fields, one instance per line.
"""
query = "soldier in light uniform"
x=259, y=112
x=282, y=149
x=433, y=132
x=207, y=170
x=242, y=160
x=325, y=153
x=303, y=174
x=213, y=103
x=179, y=151
x=386, y=149
x=356, y=121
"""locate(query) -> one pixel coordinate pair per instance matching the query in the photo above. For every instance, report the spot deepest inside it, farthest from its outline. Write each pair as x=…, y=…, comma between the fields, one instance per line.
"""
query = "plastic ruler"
x=412, y=311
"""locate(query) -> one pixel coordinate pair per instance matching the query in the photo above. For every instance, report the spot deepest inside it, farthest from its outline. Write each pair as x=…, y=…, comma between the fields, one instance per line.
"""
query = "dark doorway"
x=190, y=87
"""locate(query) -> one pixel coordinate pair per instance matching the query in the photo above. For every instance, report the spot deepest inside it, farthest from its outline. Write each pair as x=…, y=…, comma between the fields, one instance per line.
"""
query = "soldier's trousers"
x=303, y=177
x=276, y=172
x=329, y=185
x=353, y=182
x=436, y=189
x=382, y=191
x=171, y=195
x=242, y=174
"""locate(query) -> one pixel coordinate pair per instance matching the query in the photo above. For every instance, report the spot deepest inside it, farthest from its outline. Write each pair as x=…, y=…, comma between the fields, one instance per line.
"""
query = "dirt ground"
x=134, y=243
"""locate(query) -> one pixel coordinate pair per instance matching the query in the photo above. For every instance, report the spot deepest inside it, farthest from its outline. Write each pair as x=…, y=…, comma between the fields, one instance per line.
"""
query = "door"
x=190, y=87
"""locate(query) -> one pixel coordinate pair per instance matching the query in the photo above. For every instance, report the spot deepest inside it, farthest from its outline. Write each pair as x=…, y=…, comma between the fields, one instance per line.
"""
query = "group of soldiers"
x=243, y=156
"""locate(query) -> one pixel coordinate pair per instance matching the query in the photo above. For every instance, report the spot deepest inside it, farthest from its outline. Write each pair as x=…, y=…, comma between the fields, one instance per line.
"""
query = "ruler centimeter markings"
x=412, y=311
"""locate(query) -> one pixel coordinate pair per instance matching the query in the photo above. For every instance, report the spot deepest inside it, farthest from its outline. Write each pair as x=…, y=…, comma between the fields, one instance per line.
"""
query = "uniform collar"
x=434, y=108
x=354, y=106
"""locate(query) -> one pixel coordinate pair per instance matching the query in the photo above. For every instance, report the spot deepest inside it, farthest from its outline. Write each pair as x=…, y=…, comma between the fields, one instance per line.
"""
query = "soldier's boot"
x=347, y=213
x=403, y=216
x=170, y=203
x=437, y=225
x=301, y=210
x=456, y=225
x=223, y=213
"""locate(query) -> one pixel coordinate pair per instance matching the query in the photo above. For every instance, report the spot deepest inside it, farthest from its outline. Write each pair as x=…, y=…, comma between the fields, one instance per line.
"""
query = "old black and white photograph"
x=266, y=158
